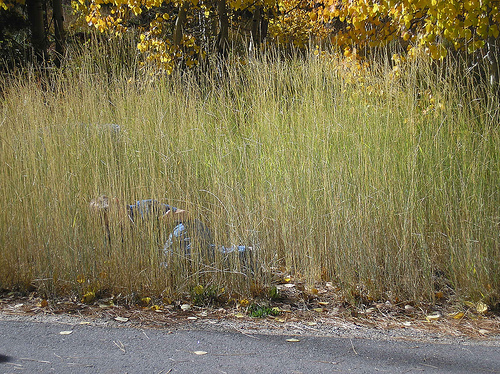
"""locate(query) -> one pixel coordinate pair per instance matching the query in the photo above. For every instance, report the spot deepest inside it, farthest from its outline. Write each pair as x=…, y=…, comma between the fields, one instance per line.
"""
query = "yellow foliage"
x=427, y=22
x=353, y=24
x=10, y=3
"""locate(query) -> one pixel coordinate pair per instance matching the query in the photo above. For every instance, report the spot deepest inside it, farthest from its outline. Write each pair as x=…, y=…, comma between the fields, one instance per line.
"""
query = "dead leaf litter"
x=295, y=313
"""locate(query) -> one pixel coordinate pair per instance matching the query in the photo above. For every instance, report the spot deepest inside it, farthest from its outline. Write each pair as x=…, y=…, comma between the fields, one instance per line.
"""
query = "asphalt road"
x=35, y=347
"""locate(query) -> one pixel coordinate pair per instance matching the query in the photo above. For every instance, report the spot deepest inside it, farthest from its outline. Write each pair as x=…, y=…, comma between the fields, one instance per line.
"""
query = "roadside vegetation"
x=378, y=176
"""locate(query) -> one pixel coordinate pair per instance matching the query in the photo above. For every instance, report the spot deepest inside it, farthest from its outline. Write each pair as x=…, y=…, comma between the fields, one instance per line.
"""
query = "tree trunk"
x=58, y=29
x=179, y=23
x=493, y=57
x=222, y=38
x=256, y=33
x=37, y=28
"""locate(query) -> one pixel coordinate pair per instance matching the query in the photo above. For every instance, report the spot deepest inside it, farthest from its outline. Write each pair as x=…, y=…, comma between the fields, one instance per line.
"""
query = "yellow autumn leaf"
x=293, y=340
x=80, y=278
x=481, y=307
x=457, y=315
x=198, y=290
x=88, y=297
x=244, y=302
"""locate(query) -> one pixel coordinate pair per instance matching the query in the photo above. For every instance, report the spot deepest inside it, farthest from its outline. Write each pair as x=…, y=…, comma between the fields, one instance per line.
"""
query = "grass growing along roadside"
x=385, y=184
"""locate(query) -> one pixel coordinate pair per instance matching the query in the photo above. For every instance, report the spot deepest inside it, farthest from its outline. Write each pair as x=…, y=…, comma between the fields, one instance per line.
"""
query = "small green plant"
x=262, y=310
x=274, y=293
x=203, y=296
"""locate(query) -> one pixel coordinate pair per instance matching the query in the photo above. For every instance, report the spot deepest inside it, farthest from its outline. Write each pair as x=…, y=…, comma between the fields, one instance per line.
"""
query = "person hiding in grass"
x=186, y=233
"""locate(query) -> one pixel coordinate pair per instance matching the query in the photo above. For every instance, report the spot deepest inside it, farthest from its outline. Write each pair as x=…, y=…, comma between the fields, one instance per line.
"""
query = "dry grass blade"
x=386, y=186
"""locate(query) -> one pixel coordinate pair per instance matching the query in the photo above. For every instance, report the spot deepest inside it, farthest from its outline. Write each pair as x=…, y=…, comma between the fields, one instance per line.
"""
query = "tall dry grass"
x=384, y=182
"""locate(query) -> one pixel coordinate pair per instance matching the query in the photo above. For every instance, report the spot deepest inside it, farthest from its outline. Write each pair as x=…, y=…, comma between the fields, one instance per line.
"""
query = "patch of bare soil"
x=295, y=312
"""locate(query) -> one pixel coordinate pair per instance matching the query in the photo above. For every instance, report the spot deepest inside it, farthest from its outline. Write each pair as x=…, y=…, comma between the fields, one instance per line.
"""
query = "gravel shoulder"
x=484, y=331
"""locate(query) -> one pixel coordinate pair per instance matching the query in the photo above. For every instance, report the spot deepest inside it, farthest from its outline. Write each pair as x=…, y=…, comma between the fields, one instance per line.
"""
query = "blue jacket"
x=145, y=208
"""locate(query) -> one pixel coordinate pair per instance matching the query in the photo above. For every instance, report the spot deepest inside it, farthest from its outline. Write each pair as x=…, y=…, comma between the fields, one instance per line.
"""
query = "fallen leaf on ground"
x=88, y=297
x=192, y=318
x=433, y=316
x=106, y=305
x=293, y=340
x=311, y=323
x=323, y=302
x=121, y=319
x=481, y=307
x=185, y=307
x=319, y=310
x=239, y=315
x=457, y=315
x=66, y=332
x=84, y=323
x=409, y=308
x=200, y=353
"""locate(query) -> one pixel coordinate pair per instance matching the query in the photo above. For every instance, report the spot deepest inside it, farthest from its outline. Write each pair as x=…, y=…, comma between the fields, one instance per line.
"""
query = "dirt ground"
x=320, y=315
